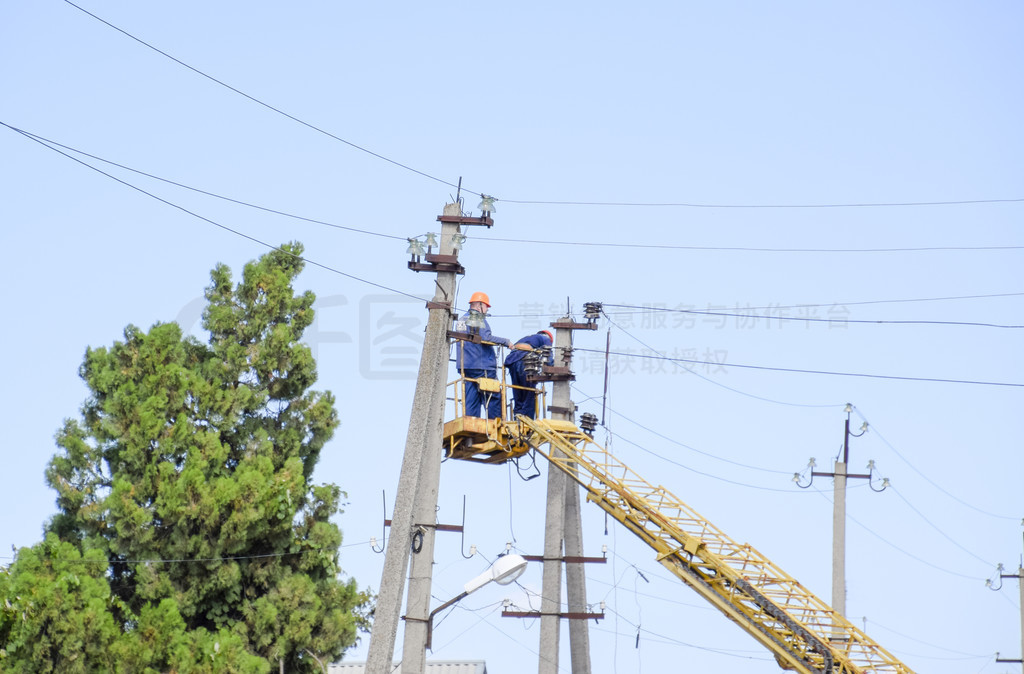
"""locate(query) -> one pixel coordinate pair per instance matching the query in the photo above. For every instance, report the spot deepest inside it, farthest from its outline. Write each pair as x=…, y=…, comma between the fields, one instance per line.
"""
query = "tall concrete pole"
x=576, y=581
x=554, y=521
x=419, y=479
x=839, y=538
x=575, y=573
x=417, y=612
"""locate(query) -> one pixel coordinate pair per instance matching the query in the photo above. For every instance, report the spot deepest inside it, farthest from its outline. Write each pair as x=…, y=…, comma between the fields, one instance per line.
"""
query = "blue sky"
x=777, y=133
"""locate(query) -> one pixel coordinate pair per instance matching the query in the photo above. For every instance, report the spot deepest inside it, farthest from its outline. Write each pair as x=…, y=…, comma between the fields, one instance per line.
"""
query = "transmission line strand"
x=644, y=308
x=574, y=243
x=697, y=374
x=746, y=249
x=694, y=470
x=896, y=547
x=808, y=320
x=213, y=222
x=941, y=532
x=678, y=642
x=723, y=364
x=205, y=192
x=925, y=643
x=681, y=444
x=271, y=107
x=877, y=433
x=512, y=201
x=961, y=202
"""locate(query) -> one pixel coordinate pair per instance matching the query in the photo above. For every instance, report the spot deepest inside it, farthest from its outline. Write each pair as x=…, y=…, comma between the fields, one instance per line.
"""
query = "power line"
x=267, y=105
x=933, y=526
x=779, y=206
x=522, y=201
x=213, y=222
x=205, y=192
x=897, y=547
x=696, y=374
x=748, y=249
x=724, y=364
x=683, y=445
x=876, y=432
x=811, y=320
x=539, y=242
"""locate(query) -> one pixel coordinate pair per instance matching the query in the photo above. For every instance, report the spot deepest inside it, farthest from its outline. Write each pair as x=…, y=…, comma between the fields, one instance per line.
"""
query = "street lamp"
x=504, y=571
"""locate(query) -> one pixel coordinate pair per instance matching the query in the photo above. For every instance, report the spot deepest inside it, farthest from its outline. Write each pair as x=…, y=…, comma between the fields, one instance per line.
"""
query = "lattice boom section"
x=777, y=610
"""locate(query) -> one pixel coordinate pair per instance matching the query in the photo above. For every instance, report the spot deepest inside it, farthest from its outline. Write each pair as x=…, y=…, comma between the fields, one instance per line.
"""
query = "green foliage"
x=189, y=536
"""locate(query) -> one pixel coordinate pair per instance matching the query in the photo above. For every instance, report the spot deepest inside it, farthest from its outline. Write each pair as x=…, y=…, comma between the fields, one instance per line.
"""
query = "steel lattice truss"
x=802, y=631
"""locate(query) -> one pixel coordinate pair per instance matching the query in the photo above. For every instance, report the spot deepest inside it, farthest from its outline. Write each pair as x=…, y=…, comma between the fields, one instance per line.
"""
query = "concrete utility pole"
x=839, y=514
x=412, y=526
x=1020, y=579
x=563, y=525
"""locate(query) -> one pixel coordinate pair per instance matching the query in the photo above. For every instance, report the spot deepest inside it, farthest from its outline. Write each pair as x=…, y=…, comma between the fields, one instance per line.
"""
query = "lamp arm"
x=430, y=618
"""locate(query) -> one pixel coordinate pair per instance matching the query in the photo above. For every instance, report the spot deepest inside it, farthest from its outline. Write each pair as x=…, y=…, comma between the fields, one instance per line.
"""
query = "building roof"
x=432, y=667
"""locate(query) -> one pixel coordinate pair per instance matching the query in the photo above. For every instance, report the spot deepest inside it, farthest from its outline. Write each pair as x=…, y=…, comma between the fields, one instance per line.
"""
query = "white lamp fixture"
x=505, y=570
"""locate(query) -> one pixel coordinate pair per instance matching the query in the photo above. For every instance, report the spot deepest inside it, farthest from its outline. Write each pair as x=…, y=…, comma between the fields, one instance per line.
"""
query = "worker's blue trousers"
x=475, y=398
x=525, y=401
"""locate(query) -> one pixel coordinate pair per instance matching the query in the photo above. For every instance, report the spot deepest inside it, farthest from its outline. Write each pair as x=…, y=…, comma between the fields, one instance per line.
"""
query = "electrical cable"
x=700, y=376
x=679, y=642
x=698, y=472
x=685, y=446
x=723, y=364
x=812, y=320
x=522, y=201
x=760, y=206
x=896, y=547
x=925, y=643
x=850, y=304
x=933, y=526
x=201, y=191
x=573, y=243
x=213, y=222
x=875, y=431
x=268, y=106
x=747, y=249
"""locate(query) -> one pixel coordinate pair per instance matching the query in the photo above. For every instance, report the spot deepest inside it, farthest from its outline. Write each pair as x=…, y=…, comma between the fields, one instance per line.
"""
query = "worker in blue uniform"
x=524, y=392
x=479, y=360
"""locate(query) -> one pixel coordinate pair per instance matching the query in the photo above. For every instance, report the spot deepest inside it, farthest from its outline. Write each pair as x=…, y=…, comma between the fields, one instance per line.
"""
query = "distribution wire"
x=936, y=528
x=780, y=206
x=810, y=320
x=748, y=249
x=537, y=242
x=399, y=292
x=692, y=361
x=267, y=105
x=875, y=432
x=50, y=143
x=707, y=379
x=202, y=191
x=681, y=444
x=213, y=222
x=898, y=548
x=523, y=201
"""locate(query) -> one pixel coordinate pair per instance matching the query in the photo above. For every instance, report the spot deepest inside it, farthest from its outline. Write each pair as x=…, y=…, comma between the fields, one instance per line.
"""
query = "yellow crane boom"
x=802, y=631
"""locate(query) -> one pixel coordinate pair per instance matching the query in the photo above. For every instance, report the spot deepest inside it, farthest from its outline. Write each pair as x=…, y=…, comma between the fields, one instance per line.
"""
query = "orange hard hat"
x=550, y=338
x=480, y=297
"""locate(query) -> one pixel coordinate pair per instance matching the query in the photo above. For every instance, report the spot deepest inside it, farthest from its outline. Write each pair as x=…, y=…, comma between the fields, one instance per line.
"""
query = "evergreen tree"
x=185, y=498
